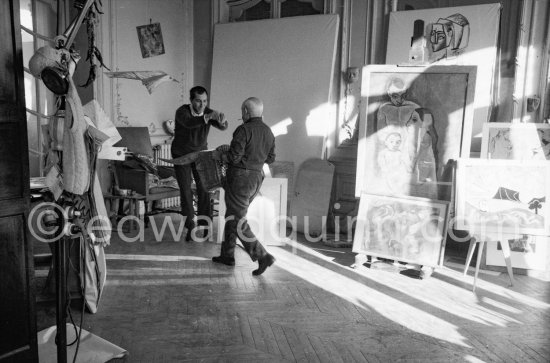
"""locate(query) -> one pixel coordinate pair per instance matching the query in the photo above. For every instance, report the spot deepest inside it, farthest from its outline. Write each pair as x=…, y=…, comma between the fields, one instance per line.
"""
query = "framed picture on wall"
x=526, y=141
x=414, y=120
x=150, y=40
x=403, y=229
x=501, y=198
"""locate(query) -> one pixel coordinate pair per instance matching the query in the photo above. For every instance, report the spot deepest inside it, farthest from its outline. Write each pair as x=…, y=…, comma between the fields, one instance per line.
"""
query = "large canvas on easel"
x=403, y=229
x=496, y=198
x=465, y=35
x=403, y=148
x=289, y=64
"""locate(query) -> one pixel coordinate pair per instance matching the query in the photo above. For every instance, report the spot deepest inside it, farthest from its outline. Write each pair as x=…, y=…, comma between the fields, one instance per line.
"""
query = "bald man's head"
x=252, y=107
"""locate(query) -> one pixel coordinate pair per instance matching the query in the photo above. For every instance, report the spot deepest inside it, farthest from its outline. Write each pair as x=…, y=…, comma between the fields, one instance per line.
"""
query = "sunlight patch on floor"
x=501, y=290
x=366, y=297
x=463, y=300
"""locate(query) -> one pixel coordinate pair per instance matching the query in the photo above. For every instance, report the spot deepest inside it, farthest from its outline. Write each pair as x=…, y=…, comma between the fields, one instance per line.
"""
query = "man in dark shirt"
x=193, y=123
x=253, y=144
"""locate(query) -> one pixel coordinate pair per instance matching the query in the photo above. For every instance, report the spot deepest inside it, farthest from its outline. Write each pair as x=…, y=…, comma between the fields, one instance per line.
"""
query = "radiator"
x=163, y=151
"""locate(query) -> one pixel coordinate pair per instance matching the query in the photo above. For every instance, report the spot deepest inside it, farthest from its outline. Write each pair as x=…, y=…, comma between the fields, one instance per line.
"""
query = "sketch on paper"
x=503, y=197
x=503, y=140
x=150, y=40
x=404, y=229
x=449, y=36
x=415, y=120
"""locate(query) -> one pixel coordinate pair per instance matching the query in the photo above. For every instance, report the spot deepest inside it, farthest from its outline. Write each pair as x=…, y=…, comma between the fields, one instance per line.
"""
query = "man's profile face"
x=199, y=103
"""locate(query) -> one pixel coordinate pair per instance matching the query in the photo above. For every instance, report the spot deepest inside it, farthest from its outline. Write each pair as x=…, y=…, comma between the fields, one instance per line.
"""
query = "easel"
x=481, y=240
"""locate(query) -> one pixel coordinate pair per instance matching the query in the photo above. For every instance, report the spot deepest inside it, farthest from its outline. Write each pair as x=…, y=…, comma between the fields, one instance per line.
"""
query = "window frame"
x=41, y=94
x=221, y=11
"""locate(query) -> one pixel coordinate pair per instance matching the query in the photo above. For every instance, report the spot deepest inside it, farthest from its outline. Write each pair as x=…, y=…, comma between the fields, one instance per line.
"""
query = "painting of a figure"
x=503, y=140
x=404, y=229
x=150, y=40
x=408, y=142
x=415, y=120
x=500, y=198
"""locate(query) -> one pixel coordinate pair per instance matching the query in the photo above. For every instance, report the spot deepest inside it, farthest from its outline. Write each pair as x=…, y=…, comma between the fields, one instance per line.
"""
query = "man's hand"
x=222, y=119
x=218, y=116
x=223, y=148
x=221, y=153
x=214, y=115
x=216, y=155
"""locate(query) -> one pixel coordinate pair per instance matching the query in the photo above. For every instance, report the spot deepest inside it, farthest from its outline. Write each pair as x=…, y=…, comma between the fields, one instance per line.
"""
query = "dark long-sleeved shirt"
x=191, y=132
x=253, y=144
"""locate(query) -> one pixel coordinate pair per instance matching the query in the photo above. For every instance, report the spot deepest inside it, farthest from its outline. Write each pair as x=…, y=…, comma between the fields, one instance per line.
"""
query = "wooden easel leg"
x=471, y=250
x=507, y=260
x=478, y=262
x=360, y=259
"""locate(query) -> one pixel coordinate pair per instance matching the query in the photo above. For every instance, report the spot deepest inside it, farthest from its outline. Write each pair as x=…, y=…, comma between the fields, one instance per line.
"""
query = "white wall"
x=128, y=101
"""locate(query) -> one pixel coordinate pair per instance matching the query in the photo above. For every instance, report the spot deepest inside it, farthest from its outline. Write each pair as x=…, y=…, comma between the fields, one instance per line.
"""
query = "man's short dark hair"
x=197, y=90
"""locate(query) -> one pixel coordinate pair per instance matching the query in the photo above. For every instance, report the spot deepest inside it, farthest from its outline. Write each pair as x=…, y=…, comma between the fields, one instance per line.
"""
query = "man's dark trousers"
x=241, y=188
x=184, y=176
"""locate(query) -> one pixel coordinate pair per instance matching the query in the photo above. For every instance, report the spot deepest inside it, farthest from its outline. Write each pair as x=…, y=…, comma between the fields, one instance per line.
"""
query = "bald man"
x=253, y=144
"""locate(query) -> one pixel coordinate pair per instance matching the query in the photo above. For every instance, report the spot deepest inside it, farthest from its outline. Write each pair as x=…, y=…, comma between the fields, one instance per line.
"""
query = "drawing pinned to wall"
x=150, y=40
x=504, y=140
x=503, y=197
x=415, y=119
x=404, y=229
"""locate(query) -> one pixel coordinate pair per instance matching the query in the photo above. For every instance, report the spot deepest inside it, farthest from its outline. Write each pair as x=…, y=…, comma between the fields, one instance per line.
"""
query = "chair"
x=132, y=177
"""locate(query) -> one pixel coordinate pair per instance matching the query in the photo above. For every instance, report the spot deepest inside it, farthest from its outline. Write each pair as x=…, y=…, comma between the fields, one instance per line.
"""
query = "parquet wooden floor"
x=167, y=302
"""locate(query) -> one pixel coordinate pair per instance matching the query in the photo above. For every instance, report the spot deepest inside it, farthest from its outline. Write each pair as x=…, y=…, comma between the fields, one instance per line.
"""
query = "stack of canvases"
x=415, y=123
x=503, y=196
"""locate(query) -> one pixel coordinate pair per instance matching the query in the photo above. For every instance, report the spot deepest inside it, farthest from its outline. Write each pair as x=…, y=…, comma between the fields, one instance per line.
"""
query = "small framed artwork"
x=414, y=120
x=503, y=197
x=403, y=229
x=526, y=141
x=150, y=40
x=527, y=252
